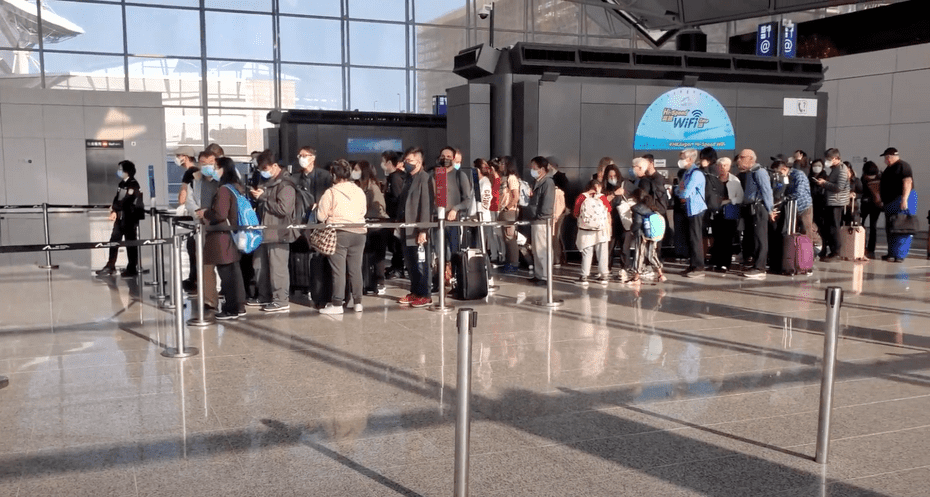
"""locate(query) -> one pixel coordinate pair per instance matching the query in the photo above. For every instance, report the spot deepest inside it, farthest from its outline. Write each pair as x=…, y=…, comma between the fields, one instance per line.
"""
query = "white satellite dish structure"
x=19, y=28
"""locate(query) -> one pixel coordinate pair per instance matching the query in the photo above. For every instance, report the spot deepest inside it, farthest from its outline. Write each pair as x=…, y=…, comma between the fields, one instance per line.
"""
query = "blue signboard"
x=789, y=40
x=685, y=118
x=372, y=145
x=767, y=39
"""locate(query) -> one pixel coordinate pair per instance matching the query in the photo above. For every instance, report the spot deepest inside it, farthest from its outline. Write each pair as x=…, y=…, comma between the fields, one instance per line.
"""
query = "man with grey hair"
x=758, y=209
x=691, y=192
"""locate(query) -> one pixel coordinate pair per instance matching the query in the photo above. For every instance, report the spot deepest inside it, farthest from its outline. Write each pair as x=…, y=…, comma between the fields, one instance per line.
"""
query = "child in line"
x=649, y=237
x=592, y=209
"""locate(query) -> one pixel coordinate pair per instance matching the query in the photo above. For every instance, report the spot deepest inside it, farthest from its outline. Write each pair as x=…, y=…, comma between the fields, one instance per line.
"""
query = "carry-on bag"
x=852, y=242
x=321, y=279
x=298, y=265
x=797, y=249
x=470, y=270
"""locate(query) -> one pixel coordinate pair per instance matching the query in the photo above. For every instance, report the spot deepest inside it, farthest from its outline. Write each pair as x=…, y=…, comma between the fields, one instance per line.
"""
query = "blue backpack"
x=246, y=240
x=654, y=227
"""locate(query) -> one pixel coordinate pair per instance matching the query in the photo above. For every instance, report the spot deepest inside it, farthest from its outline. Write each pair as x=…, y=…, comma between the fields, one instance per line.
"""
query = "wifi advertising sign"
x=685, y=118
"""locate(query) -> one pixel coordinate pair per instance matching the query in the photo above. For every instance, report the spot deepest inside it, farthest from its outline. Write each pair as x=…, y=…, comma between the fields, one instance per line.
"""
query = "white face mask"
x=304, y=162
x=356, y=175
x=178, y=161
x=682, y=163
x=534, y=173
x=817, y=169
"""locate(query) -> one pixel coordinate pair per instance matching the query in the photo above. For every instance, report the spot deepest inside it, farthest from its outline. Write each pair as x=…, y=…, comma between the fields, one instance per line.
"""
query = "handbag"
x=323, y=240
x=903, y=224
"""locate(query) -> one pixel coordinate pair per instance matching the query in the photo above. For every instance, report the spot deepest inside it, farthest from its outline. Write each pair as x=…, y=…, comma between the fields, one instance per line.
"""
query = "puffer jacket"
x=276, y=207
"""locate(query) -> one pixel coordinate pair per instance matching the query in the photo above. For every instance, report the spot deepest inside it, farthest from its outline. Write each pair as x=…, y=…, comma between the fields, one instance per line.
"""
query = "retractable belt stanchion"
x=441, y=251
x=153, y=216
x=180, y=351
x=467, y=318
x=199, y=319
x=834, y=298
x=48, y=255
x=549, y=302
x=174, y=298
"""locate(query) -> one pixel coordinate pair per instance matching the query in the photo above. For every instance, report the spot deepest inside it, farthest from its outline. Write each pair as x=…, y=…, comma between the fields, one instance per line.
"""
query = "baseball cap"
x=780, y=157
x=890, y=151
x=185, y=150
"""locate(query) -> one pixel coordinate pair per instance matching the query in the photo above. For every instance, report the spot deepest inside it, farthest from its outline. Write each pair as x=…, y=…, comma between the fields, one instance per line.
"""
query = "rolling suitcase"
x=298, y=265
x=470, y=270
x=797, y=249
x=321, y=279
x=852, y=246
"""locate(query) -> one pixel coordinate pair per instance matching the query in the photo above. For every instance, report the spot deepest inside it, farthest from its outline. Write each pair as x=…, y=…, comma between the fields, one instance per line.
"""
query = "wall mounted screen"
x=685, y=118
x=373, y=145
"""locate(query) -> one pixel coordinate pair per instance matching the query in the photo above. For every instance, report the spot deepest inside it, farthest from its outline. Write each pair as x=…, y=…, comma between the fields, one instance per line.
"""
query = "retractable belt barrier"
x=61, y=247
x=434, y=224
x=53, y=206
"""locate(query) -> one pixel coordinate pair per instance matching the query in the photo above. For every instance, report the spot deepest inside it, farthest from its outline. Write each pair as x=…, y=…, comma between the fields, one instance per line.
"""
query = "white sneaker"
x=359, y=308
x=331, y=309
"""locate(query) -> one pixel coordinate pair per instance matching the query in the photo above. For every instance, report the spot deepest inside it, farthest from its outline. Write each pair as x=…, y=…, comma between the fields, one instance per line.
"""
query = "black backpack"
x=713, y=192
x=303, y=202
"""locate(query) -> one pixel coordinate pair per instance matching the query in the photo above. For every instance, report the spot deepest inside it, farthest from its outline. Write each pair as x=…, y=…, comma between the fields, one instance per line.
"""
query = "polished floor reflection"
x=707, y=387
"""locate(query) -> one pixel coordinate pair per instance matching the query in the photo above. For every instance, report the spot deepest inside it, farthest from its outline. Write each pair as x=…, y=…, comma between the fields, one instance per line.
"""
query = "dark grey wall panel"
x=760, y=130
x=469, y=120
x=606, y=130
x=799, y=133
x=560, y=121
x=607, y=93
x=525, y=122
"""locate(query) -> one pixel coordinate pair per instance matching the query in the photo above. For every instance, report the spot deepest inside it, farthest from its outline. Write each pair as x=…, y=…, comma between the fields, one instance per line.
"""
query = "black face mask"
x=408, y=167
x=445, y=162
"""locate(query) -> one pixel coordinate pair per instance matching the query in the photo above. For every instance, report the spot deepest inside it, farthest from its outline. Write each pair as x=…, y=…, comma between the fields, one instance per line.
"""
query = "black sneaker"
x=755, y=274
x=276, y=307
x=225, y=316
x=129, y=273
x=255, y=303
x=105, y=271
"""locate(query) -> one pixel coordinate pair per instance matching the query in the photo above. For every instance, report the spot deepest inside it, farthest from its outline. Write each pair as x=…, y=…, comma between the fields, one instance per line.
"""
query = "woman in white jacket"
x=726, y=221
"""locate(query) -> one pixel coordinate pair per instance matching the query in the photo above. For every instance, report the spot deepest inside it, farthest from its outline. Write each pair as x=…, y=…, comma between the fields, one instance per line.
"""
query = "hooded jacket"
x=276, y=208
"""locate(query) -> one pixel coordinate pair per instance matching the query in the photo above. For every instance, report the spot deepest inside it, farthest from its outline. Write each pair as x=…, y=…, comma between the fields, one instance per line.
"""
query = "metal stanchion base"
x=53, y=266
x=151, y=283
x=167, y=304
x=4, y=381
x=196, y=322
x=442, y=310
x=493, y=288
x=552, y=305
x=174, y=354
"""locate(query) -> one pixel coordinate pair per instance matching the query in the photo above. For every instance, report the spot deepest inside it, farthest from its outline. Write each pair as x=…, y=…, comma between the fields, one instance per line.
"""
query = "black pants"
x=232, y=286
x=376, y=242
x=759, y=228
x=192, y=254
x=871, y=213
x=833, y=217
x=396, y=246
x=696, y=241
x=128, y=231
x=721, y=254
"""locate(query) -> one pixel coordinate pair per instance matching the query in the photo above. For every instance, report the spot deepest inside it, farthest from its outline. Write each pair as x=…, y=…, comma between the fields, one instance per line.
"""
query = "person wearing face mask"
x=616, y=190
x=454, y=191
x=373, y=263
x=542, y=206
x=561, y=187
x=312, y=179
x=345, y=203
x=220, y=250
x=595, y=236
x=415, y=205
x=819, y=201
x=200, y=195
x=653, y=183
x=691, y=191
x=125, y=212
x=836, y=186
x=727, y=220
x=276, y=201
x=394, y=176
x=184, y=157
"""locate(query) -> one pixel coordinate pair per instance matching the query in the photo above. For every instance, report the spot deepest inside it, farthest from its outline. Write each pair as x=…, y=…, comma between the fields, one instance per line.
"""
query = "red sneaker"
x=422, y=302
x=409, y=299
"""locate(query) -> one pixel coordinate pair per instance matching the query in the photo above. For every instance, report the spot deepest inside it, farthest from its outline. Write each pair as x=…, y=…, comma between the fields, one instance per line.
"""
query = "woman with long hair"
x=376, y=240
x=344, y=203
x=219, y=248
x=509, y=211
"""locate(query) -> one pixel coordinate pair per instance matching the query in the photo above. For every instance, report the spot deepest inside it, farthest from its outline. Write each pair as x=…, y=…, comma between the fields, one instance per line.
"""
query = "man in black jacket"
x=125, y=212
x=415, y=205
x=393, y=187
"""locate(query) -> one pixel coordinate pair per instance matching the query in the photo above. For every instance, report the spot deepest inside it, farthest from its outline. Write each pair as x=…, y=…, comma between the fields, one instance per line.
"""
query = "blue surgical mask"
x=265, y=174
x=209, y=171
x=409, y=167
x=631, y=174
x=534, y=173
x=457, y=165
x=119, y=173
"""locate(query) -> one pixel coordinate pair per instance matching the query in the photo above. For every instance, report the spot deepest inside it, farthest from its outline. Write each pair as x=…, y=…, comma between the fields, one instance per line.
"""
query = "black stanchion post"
x=180, y=351
x=834, y=298
x=467, y=319
x=441, y=252
x=200, y=319
x=48, y=254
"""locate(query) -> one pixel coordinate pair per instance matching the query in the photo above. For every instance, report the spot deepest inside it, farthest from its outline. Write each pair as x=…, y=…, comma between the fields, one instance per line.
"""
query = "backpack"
x=592, y=215
x=558, y=207
x=246, y=240
x=713, y=192
x=303, y=202
x=778, y=187
x=654, y=227
x=525, y=193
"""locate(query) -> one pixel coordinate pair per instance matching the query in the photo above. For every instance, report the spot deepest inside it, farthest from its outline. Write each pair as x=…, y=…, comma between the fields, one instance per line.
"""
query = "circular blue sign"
x=685, y=118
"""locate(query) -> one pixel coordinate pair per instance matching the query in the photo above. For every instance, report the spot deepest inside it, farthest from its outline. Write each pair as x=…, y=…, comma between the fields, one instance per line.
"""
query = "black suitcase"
x=470, y=269
x=299, y=268
x=369, y=273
